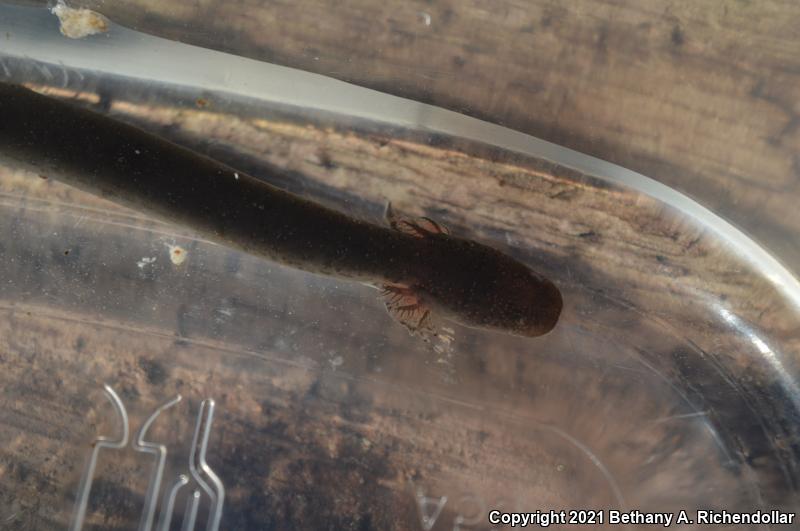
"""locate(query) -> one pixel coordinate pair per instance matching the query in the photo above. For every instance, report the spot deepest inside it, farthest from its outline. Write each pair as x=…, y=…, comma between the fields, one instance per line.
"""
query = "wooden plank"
x=701, y=96
x=644, y=288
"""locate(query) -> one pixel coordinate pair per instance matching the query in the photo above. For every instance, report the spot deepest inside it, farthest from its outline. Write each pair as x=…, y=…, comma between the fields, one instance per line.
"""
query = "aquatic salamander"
x=422, y=270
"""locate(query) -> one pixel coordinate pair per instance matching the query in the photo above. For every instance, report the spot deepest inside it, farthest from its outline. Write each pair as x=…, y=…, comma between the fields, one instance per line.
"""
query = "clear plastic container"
x=670, y=383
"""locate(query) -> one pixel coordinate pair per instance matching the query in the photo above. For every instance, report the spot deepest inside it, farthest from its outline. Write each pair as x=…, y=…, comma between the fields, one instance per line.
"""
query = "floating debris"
x=177, y=254
x=145, y=261
x=79, y=23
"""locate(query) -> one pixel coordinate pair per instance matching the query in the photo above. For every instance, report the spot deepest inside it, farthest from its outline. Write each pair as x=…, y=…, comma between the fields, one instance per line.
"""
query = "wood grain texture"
x=662, y=318
x=326, y=401
x=701, y=96
x=647, y=291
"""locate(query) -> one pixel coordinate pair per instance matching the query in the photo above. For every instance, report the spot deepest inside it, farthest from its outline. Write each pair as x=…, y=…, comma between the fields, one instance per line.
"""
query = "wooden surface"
x=658, y=368
x=703, y=96
x=332, y=412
